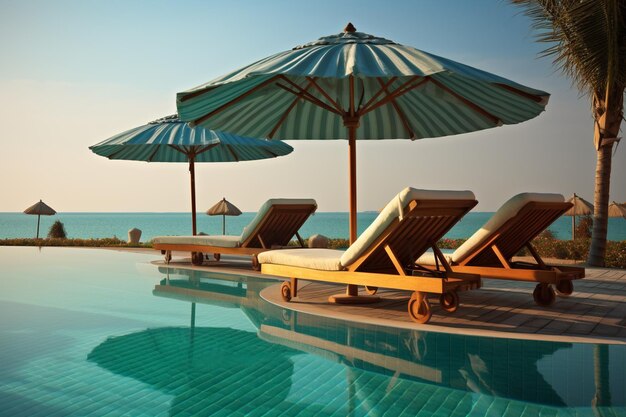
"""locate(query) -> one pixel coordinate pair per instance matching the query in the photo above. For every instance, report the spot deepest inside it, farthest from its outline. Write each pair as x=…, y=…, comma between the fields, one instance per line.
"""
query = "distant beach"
x=333, y=225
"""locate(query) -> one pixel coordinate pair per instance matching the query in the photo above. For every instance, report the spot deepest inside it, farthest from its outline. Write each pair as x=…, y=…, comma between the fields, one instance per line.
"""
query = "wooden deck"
x=595, y=312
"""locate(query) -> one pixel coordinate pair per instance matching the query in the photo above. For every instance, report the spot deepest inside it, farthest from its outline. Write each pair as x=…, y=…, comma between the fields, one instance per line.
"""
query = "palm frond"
x=586, y=39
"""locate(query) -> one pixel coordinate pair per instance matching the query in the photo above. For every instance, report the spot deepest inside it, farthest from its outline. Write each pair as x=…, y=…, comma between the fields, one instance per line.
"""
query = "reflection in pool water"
x=387, y=369
x=105, y=337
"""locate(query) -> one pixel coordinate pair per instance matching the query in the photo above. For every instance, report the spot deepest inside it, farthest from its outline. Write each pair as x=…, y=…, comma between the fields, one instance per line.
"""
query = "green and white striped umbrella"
x=357, y=86
x=171, y=140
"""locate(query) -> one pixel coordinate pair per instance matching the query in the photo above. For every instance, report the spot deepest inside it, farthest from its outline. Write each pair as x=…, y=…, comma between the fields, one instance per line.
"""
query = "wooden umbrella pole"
x=573, y=227
x=38, y=218
x=351, y=121
x=223, y=224
x=192, y=173
x=352, y=162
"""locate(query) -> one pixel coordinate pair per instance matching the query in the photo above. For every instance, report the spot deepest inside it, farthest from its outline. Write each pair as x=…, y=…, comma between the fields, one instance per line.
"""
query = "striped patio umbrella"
x=171, y=140
x=357, y=86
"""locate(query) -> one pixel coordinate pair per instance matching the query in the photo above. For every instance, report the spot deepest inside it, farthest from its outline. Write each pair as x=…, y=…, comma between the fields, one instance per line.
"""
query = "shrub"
x=338, y=243
x=547, y=234
x=583, y=228
x=104, y=242
x=615, y=254
x=450, y=243
x=57, y=231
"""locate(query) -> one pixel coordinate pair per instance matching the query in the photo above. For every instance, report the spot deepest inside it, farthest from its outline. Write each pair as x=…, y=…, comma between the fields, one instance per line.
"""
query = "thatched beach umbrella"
x=353, y=85
x=40, y=209
x=617, y=210
x=223, y=208
x=170, y=140
x=581, y=207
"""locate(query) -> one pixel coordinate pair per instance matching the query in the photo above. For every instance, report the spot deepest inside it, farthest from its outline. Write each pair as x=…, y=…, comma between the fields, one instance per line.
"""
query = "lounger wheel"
x=197, y=258
x=449, y=301
x=217, y=256
x=371, y=290
x=565, y=287
x=419, y=308
x=544, y=295
x=285, y=291
x=255, y=263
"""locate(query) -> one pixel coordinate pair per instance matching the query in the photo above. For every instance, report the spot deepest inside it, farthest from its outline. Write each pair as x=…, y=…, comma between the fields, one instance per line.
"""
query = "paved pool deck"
x=594, y=313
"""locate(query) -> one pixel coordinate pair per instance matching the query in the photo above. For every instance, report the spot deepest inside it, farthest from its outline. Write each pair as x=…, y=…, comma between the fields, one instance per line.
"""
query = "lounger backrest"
x=276, y=222
x=516, y=223
x=412, y=221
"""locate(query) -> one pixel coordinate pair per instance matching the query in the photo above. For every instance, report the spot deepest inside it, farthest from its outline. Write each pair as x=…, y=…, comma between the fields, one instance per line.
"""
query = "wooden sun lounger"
x=389, y=260
x=493, y=257
x=278, y=226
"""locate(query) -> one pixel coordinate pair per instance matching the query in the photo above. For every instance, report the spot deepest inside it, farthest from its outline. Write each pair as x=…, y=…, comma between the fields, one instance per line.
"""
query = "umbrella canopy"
x=580, y=207
x=223, y=208
x=617, y=210
x=171, y=140
x=354, y=85
x=40, y=209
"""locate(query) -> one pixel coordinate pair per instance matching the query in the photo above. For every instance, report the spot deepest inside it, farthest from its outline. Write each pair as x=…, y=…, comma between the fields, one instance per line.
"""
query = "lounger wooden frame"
x=492, y=259
x=387, y=260
x=279, y=225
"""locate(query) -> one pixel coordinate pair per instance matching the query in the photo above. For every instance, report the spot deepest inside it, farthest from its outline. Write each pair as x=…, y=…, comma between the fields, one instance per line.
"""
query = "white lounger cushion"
x=335, y=260
x=428, y=258
x=266, y=207
x=504, y=214
x=394, y=209
x=320, y=259
x=201, y=240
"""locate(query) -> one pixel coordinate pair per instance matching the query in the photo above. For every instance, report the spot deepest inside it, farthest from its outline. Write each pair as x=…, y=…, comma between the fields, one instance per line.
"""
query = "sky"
x=76, y=72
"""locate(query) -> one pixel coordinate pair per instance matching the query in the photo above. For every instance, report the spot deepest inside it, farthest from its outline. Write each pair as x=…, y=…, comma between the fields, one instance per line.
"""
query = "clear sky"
x=73, y=73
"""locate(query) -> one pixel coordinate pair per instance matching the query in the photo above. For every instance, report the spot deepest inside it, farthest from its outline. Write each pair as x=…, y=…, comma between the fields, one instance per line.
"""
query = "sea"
x=332, y=225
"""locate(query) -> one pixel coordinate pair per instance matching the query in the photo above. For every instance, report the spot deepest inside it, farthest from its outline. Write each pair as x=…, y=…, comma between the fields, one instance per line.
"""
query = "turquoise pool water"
x=87, y=332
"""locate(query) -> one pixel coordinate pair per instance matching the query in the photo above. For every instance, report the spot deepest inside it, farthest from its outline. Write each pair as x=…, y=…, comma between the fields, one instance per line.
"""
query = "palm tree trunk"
x=608, y=120
x=601, y=206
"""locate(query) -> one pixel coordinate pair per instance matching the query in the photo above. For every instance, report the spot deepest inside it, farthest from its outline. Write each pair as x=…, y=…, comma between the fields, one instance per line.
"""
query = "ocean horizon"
x=87, y=225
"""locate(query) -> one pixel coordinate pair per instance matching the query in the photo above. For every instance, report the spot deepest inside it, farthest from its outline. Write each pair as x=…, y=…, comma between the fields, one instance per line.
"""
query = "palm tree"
x=588, y=42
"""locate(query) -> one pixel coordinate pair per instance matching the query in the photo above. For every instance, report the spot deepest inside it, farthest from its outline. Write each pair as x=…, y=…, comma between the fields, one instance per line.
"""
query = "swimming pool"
x=87, y=332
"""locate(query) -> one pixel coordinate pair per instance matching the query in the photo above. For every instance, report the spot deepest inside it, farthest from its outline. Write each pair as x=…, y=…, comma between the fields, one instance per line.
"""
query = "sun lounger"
x=489, y=251
x=385, y=254
x=275, y=224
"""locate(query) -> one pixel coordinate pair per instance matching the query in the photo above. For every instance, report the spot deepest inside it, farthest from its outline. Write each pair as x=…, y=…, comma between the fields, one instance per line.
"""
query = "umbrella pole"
x=38, y=218
x=352, y=123
x=192, y=173
x=573, y=227
x=223, y=224
x=352, y=152
x=352, y=290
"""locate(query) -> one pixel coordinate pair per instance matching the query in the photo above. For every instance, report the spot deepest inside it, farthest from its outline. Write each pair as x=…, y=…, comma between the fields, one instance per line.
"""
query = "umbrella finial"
x=349, y=28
